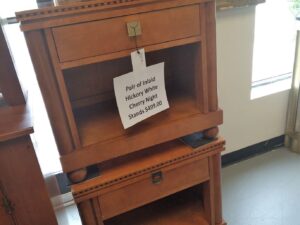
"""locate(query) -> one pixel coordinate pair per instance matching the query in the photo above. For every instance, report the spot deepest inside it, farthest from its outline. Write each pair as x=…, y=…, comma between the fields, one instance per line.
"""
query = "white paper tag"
x=138, y=60
x=141, y=93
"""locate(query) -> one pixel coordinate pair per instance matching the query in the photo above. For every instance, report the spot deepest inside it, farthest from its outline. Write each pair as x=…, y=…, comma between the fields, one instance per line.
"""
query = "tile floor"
x=68, y=216
x=264, y=190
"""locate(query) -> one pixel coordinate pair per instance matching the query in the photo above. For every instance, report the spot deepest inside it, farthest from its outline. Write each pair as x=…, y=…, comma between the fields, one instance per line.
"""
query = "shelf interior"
x=182, y=208
x=95, y=111
x=92, y=84
x=102, y=123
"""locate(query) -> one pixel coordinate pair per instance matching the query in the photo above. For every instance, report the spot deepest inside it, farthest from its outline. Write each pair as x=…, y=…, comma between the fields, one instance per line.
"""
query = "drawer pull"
x=157, y=177
x=134, y=28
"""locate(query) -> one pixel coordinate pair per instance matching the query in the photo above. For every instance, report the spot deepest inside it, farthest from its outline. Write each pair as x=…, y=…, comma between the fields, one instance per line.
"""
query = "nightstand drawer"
x=153, y=186
x=95, y=38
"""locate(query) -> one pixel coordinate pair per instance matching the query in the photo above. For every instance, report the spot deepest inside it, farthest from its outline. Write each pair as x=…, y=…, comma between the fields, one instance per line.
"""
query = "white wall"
x=246, y=121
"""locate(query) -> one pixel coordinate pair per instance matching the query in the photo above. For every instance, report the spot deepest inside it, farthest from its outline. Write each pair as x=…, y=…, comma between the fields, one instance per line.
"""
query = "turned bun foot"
x=77, y=175
x=211, y=132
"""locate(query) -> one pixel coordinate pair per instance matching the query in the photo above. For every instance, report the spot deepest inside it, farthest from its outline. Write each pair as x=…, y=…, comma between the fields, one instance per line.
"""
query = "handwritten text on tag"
x=141, y=93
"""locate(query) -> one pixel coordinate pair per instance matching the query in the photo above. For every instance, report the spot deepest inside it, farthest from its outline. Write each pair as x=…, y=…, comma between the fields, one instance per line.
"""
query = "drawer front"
x=151, y=188
x=106, y=36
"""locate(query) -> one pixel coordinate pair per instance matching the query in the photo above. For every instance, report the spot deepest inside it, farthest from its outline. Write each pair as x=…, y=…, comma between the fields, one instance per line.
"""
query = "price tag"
x=138, y=61
x=140, y=93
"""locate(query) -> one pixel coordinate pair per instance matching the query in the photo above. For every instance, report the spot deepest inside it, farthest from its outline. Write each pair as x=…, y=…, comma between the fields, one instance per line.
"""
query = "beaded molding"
x=63, y=9
x=146, y=170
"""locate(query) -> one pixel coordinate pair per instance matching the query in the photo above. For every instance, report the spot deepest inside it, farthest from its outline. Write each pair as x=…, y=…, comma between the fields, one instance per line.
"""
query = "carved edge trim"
x=60, y=10
x=147, y=170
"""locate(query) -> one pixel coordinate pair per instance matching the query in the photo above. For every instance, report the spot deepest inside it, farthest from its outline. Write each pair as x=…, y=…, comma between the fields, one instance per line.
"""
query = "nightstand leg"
x=90, y=212
x=216, y=165
x=212, y=196
x=208, y=201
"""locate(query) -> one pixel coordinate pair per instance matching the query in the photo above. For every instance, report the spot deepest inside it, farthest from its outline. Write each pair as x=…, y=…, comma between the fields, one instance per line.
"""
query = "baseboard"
x=253, y=150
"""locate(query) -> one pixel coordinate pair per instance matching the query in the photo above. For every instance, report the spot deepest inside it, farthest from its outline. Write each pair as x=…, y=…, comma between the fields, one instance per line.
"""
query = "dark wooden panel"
x=9, y=83
x=22, y=179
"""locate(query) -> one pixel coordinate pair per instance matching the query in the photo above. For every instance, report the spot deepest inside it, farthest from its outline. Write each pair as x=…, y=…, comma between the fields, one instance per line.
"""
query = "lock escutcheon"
x=157, y=177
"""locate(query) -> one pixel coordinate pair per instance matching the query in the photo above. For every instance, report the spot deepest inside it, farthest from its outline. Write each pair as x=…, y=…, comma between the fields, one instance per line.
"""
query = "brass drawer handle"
x=134, y=29
x=157, y=177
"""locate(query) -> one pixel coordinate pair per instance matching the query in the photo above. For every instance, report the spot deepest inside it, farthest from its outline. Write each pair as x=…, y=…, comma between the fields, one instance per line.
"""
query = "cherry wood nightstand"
x=77, y=49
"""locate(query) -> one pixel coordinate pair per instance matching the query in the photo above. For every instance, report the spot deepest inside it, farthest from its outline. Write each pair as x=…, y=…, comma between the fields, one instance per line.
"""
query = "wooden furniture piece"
x=23, y=195
x=10, y=87
x=130, y=183
x=77, y=49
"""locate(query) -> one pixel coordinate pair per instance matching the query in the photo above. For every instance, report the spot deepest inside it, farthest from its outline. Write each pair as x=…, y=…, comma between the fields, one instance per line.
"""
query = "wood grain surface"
x=9, y=84
x=15, y=122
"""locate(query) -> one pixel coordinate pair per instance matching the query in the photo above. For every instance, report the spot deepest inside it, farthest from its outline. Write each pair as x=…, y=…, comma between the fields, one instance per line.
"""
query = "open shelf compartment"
x=98, y=122
x=185, y=207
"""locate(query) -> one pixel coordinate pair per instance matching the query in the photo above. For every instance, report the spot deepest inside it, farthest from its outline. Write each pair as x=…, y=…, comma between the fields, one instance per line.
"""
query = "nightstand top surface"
x=48, y=8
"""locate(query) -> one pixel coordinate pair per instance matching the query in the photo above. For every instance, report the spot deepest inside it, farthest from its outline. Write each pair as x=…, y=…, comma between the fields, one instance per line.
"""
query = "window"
x=274, y=46
x=9, y=7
